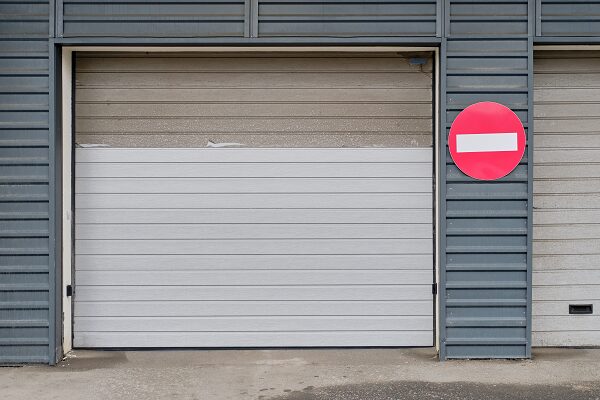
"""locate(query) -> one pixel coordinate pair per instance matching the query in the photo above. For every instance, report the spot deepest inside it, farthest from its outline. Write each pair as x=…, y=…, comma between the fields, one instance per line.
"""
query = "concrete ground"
x=344, y=374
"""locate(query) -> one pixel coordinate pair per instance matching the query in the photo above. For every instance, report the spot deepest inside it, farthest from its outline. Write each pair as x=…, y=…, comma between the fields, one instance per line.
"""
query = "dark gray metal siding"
x=151, y=18
x=568, y=18
x=484, y=252
x=347, y=18
x=25, y=254
x=237, y=18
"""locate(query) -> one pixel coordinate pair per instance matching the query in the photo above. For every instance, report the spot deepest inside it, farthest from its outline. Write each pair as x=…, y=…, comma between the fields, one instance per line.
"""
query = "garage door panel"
x=245, y=308
x=572, y=293
x=567, y=323
x=253, y=339
x=570, y=339
x=253, y=201
x=237, y=95
x=567, y=185
x=565, y=61
x=567, y=170
x=252, y=185
x=308, y=139
x=567, y=156
x=262, y=231
x=245, y=125
x=568, y=277
x=567, y=201
x=254, y=170
x=262, y=62
x=249, y=293
x=256, y=216
x=254, y=155
x=574, y=231
x=566, y=109
x=250, y=278
x=562, y=79
x=252, y=323
x=567, y=246
x=565, y=94
x=241, y=109
x=250, y=79
x=558, y=216
x=137, y=262
x=584, y=125
x=580, y=140
x=258, y=246
x=569, y=261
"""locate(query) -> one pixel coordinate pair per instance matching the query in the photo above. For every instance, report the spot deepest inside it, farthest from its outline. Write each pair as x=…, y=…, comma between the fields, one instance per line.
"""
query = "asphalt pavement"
x=328, y=374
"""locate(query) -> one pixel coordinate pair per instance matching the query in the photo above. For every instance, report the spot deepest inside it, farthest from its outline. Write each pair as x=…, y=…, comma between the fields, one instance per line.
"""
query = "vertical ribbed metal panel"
x=568, y=18
x=485, y=247
x=151, y=18
x=24, y=181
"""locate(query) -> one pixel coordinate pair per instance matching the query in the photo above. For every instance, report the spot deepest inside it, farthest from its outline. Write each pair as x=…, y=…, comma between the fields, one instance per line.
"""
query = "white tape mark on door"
x=481, y=142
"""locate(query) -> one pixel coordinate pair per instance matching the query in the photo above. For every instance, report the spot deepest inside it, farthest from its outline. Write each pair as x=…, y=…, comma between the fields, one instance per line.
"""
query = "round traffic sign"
x=487, y=141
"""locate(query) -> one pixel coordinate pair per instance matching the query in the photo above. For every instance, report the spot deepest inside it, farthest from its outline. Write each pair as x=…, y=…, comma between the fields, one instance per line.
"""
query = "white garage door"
x=566, y=248
x=290, y=245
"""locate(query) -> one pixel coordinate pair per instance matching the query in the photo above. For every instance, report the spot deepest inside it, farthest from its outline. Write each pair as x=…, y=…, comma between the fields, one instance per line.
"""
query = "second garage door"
x=566, y=248
x=281, y=243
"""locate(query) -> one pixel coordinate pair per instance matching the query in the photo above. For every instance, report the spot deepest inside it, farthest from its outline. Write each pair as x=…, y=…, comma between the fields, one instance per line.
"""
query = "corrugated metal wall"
x=475, y=34
x=484, y=257
x=568, y=18
x=238, y=18
x=24, y=182
x=151, y=18
x=346, y=18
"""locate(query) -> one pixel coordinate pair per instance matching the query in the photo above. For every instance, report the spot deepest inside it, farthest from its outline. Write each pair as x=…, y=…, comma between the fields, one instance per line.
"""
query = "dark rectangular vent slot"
x=581, y=309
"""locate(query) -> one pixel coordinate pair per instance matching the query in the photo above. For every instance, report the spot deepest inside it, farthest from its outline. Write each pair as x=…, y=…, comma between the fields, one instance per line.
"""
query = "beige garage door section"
x=566, y=248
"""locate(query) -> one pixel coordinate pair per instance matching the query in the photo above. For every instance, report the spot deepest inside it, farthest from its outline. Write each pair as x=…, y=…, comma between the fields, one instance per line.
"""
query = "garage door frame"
x=67, y=76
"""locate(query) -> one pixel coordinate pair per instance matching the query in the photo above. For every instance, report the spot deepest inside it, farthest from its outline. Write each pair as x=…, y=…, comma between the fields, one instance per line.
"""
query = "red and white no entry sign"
x=487, y=141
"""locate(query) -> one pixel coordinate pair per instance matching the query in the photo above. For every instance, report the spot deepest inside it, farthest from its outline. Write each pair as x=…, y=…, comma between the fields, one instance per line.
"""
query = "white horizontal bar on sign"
x=482, y=142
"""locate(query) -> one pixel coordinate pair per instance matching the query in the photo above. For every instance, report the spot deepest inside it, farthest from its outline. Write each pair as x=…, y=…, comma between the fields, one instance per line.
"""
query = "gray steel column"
x=485, y=232
x=26, y=264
